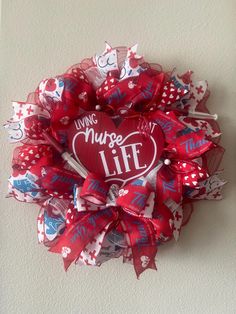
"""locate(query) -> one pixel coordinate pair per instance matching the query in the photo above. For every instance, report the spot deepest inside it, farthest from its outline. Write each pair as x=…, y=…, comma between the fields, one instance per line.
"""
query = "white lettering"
x=121, y=157
x=86, y=121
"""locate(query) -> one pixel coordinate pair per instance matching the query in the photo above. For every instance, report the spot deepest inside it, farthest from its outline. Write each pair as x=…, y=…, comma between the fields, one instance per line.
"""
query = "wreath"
x=115, y=151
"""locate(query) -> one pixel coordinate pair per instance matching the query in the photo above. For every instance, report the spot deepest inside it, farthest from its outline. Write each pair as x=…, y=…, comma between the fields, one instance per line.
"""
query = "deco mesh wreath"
x=115, y=151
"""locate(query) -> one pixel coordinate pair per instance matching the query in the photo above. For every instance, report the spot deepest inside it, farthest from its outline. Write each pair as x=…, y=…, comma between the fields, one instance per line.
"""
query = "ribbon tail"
x=76, y=238
x=90, y=254
x=141, y=238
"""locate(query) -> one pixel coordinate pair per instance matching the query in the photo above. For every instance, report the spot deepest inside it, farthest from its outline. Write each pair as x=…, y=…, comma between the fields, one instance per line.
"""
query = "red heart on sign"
x=51, y=85
x=117, y=152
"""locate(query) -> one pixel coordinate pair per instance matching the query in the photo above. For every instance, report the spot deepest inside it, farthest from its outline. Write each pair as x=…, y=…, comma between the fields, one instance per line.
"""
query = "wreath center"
x=120, y=153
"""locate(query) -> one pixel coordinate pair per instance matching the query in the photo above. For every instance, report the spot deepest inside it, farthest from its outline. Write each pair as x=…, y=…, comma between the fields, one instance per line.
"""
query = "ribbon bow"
x=100, y=208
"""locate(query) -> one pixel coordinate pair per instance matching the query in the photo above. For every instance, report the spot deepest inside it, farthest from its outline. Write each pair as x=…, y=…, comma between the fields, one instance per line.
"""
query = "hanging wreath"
x=115, y=152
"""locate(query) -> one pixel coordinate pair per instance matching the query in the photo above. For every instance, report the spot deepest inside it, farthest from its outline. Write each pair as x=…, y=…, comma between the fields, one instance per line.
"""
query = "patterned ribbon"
x=131, y=211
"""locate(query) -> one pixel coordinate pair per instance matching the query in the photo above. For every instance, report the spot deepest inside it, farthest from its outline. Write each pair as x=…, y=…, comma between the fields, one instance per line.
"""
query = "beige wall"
x=196, y=275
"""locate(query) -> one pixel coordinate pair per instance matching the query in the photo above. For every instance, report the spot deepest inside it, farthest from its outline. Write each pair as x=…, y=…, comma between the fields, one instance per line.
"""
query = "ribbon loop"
x=95, y=189
x=133, y=198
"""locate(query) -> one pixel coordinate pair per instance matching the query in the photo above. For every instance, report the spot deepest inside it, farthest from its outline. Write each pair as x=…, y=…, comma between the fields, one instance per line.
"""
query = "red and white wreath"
x=115, y=151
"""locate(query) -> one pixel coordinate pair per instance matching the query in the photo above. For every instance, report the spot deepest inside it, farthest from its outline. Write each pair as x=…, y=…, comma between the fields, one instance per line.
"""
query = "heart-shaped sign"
x=117, y=152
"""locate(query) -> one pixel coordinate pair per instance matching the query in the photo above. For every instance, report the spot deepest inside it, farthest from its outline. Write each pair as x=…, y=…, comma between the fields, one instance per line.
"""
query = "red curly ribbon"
x=169, y=124
x=190, y=145
x=58, y=180
x=133, y=197
x=114, y=95
x=168, y=185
